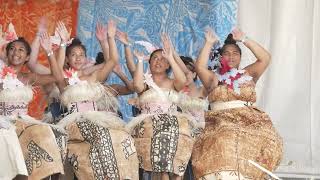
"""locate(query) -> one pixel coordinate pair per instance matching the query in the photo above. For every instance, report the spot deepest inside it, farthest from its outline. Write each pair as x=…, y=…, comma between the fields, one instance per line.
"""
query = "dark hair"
x=152, y=54
x=99, y=58
x=75, y=43
x=230, y=41
x=21, y=40
x=189, y=61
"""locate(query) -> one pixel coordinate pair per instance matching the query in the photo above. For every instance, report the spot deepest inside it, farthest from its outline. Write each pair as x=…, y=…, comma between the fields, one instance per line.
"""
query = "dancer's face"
x=232, y=55
x=17, y=54
x=158, y=64
x=76, y=58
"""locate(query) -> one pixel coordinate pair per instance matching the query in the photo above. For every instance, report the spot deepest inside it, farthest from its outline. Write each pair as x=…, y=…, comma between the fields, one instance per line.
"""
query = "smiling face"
x=17, y=53
x=76, y=57
x=158, y=64
x=232, y=54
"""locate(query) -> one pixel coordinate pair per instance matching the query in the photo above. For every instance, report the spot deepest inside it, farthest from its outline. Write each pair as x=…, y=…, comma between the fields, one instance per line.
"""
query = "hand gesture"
x=42, y=26
x=210, y=36
x=63, y=32
x=140, y=55
x=167, y=51
x=45, y=42
x=112, y=28
x=123, y=37
x=101, y=32
x=237, y=34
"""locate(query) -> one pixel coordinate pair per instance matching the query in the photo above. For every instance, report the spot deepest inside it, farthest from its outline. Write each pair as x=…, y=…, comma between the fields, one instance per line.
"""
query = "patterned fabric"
x=96, y=152
x=164, y=143
x=13, y=108
x=40, y=149
x=183, y=20
x=234, y=136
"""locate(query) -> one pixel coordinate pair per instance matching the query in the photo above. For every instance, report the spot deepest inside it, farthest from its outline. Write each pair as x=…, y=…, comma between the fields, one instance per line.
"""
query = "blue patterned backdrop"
x=183, y=20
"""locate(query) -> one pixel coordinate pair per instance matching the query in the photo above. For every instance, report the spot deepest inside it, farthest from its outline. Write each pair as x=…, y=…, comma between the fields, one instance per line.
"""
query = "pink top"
x=82, y=106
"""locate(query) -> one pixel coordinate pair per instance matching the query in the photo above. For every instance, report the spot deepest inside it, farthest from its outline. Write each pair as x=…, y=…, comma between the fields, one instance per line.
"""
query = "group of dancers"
x=214, y=129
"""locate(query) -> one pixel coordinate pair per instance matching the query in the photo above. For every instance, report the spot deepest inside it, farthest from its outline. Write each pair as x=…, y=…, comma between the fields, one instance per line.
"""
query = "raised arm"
x=179, y=60
x=117, y=70
x=257, y=68
x=207, y=77
x=102, y=38
x=103, y=73
x=138, y=81
x=123, y=37
x=56, y=72
x=33, y=63
x=179, y=76
x=65, y=36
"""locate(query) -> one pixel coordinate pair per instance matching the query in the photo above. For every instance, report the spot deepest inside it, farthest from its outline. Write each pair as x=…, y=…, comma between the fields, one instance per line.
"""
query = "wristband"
x=244, y=39
x=63, y=44
x=128, y=45
x=50, y=53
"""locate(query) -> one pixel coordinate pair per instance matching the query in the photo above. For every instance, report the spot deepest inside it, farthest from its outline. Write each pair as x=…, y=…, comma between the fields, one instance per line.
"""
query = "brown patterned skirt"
x=40, y=149
x=97, y=152
x=164, y=143
x=231, y=138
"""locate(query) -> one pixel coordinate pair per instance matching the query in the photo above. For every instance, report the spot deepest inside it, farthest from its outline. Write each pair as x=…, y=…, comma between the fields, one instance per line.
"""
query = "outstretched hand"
x=210, y=36
x=237, y=34
x=140, y=55
x=123, y=37
x=63, y=32
x=101, y=32
x=167, y=50
x=112, y=28
x=45, y=42
x=42, y=26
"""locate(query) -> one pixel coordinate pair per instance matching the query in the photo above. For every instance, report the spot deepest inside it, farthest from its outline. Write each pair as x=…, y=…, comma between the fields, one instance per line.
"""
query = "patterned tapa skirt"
x=42, y=146
x=164, y=143
x=99, y=150
x=231, y=138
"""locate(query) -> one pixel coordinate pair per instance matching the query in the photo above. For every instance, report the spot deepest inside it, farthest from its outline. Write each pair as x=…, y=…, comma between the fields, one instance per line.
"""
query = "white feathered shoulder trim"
x=21, y=94
x=88, y=91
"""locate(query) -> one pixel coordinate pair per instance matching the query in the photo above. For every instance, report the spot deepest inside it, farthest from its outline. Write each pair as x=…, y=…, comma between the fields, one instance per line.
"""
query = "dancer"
x=42, y=144
x=163, y=137
x=236, y=131
x=98, y=146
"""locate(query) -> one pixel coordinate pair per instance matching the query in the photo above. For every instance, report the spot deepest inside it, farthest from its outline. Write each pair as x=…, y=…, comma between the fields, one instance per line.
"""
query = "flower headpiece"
x=72, y=76
x=8, y=36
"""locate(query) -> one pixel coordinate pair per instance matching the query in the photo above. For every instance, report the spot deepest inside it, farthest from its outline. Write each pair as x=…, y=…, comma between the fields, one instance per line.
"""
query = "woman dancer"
x=163, y=137
x=236, y=131
x=41, y=144
x=98, y=145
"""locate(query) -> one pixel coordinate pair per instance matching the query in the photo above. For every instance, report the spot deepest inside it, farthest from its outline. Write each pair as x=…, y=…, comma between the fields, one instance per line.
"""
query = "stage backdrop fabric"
x=183, y=20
